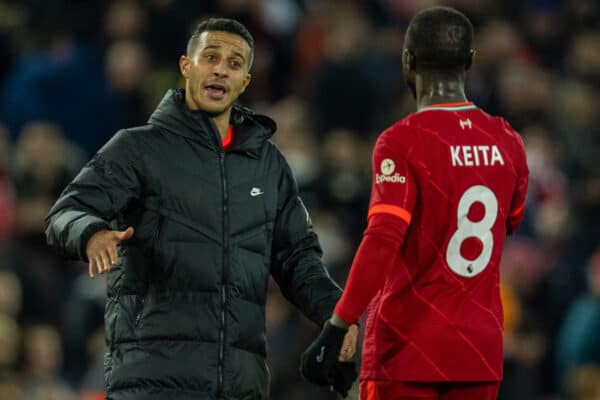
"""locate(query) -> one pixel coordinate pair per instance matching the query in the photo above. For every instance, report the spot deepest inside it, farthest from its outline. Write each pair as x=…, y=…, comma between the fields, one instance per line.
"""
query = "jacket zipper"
x=224, y=272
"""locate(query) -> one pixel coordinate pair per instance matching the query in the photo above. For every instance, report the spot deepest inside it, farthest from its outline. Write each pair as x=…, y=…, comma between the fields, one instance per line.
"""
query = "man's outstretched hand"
x=101, y=249
x=320, y=365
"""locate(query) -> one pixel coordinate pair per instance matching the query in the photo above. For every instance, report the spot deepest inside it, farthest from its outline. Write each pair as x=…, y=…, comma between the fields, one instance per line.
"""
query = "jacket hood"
x=251, y=130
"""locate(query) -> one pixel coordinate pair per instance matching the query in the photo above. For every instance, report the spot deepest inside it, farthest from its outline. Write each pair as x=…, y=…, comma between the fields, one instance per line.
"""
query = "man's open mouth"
x=216, y=91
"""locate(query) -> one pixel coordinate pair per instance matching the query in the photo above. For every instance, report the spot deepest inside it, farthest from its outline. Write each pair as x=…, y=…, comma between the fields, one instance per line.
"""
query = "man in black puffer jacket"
x=189, y=215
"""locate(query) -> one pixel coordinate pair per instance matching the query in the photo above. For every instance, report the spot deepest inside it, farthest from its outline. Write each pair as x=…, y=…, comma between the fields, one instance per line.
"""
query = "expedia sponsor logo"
x=396, y=178
x=387, y=166
x=387, y=169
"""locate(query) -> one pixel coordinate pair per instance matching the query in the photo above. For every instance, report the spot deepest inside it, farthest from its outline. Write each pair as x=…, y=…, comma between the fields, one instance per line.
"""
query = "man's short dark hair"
x=440, y=38
x=224, y=25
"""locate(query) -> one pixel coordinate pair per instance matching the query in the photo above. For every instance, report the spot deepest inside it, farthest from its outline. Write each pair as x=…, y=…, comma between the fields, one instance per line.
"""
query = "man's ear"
x=184, y=66
x=409, y=61
x=470, y=59
x=412, y=62
x=247, y=80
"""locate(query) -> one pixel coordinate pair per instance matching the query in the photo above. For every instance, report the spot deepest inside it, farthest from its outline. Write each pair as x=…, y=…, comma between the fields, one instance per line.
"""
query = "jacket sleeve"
x=102, y=189
x=296, y=262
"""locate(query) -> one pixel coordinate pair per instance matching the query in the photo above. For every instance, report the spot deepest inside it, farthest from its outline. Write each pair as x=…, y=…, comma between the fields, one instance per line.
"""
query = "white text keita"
x=475, y=156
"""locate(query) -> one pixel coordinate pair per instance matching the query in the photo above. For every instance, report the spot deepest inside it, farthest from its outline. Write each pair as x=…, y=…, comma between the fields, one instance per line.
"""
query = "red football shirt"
x=226, y=141
x=456, y=178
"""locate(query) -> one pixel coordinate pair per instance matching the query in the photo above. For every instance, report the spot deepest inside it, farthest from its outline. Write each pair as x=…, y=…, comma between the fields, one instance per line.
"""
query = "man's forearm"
x=373, y=260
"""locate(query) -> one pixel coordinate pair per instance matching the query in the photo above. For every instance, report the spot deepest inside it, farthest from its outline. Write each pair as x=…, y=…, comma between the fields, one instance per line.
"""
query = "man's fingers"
x=346, y=351
x=346, y=354
x=126, y=234
x=97, y=265
x=91, y=266
x=105, y=261
x=102, y=261
x=112, y=253
x=349, y=345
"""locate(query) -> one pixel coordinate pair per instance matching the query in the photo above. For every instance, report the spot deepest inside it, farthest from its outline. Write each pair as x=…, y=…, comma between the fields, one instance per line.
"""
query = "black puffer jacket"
x=185, y=313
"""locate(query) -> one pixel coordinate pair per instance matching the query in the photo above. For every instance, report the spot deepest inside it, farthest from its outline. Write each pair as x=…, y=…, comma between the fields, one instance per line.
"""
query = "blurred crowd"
x=329, y=73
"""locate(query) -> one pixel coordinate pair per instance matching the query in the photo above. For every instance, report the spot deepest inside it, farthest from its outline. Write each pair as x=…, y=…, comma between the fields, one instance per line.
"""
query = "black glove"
x=319, y=363
x=344, y=375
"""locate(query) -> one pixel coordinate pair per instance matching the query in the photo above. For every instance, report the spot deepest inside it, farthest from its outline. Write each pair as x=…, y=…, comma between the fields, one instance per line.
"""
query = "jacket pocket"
x=155, y=246
x=155, y=243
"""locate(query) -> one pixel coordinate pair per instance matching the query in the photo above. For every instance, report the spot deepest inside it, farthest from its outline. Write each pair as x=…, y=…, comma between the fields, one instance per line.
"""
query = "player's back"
x=440, y=315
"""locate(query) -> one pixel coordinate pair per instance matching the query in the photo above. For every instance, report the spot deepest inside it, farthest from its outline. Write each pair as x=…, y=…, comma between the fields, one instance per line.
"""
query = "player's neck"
x=440, y=89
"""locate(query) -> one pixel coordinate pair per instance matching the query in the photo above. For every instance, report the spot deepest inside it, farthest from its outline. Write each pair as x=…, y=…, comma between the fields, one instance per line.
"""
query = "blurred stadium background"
x=329, y=73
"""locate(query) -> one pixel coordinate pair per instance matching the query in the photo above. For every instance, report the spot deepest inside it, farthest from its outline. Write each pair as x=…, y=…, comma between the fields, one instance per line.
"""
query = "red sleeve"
x=373, y=260
x=517, y=206
x=394, y=188
x=393, y=197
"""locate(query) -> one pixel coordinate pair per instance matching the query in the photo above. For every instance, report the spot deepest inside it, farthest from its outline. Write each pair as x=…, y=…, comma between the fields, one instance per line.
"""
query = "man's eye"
x=211, y=57
x=236, y=64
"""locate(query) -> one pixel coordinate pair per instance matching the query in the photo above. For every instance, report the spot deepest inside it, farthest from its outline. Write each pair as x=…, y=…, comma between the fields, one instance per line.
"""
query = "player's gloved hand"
x=319, y=362
x=344, y=375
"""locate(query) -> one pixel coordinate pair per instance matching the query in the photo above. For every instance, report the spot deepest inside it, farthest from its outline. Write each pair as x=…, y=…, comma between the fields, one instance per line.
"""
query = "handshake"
x=326, y=362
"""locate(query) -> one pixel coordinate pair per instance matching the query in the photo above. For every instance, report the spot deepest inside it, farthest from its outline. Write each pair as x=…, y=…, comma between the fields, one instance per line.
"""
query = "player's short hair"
x=440, y=38
x=224, y=25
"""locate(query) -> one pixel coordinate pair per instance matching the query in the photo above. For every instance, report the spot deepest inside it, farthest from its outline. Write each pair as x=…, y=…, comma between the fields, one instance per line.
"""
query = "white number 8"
x=467, y=228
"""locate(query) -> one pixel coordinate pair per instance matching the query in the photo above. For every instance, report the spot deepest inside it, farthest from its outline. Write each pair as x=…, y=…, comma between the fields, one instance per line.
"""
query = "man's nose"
x=220, y=68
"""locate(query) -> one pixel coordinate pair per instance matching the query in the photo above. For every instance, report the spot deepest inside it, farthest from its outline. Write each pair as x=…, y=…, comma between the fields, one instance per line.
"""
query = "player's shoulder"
x=136, y=134
x=128, y=136
x=503, y=128
x=397, y=134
